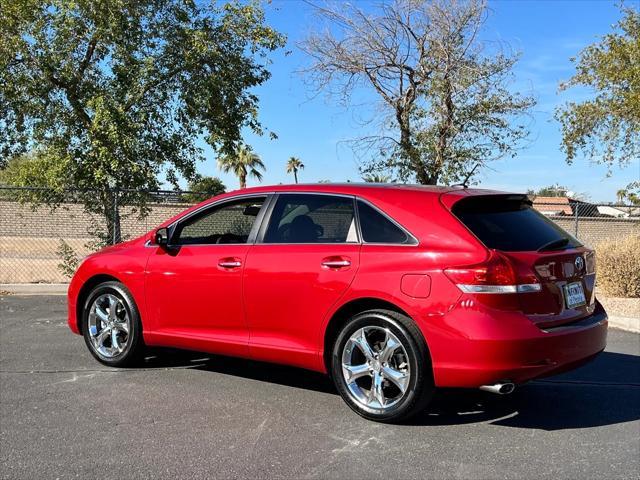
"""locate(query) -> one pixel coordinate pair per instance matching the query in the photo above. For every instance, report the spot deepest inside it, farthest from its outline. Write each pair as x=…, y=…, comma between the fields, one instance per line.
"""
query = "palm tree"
x=621, y=194
x=293, y=165
x=243, y=163
x=377, y=178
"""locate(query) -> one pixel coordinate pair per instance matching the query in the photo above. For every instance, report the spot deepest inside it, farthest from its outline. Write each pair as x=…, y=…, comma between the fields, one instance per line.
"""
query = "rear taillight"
x=495, y=275
x=590, y=261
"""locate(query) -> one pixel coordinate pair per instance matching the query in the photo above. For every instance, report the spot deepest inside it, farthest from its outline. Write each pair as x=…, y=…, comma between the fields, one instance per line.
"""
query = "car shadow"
x=239, y=367
x=606, y=391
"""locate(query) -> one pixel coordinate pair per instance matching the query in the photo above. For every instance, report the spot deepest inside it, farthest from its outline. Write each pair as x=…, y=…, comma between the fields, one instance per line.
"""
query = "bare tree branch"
x=444, y=98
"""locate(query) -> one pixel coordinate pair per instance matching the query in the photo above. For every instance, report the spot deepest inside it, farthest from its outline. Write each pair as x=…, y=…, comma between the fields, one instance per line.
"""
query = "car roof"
x=394, y=199
x=362, y=188
x=390, y=193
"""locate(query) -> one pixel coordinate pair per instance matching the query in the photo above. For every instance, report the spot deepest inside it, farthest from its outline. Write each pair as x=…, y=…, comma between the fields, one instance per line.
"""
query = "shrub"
x=618, y=267
x=69, y=260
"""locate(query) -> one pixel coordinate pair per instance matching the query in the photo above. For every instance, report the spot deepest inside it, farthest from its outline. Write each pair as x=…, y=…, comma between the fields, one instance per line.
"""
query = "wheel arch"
x=86, y=289
x=348, y=310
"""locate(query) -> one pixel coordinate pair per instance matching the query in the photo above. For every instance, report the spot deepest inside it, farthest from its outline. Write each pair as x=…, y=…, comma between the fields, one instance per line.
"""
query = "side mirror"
x=162, y=237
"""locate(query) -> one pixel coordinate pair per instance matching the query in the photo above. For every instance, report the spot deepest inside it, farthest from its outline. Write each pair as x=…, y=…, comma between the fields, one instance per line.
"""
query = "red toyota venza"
x=392, y=290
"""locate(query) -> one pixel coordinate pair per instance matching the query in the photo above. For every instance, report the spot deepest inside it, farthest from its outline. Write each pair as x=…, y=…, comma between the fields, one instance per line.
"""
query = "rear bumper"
x=513, y=348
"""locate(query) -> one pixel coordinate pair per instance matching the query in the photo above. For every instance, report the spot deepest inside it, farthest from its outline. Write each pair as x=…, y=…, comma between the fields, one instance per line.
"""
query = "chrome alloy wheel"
x=375, y=367
x=109, y=325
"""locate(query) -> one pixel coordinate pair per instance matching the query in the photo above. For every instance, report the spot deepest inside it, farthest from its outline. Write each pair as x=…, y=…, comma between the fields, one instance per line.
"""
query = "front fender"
x=124, y=265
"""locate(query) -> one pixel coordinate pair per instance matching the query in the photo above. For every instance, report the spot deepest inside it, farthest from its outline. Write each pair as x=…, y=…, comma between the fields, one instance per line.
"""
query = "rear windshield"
x=510, y=224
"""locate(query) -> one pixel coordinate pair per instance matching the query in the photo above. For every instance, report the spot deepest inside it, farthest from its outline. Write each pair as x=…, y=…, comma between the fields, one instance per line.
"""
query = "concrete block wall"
x=29, y=238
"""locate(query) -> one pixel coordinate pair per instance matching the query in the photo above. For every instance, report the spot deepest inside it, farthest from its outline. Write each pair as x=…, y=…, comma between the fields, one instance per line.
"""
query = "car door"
x=304, y=260
x=194, y=287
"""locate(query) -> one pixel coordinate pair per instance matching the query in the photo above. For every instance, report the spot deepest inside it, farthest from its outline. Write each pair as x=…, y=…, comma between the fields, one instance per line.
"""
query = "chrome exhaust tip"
x=500, y=388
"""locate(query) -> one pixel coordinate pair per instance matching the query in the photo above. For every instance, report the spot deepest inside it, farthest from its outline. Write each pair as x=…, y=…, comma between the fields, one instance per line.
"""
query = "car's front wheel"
x=381, y=366
x=111, y=325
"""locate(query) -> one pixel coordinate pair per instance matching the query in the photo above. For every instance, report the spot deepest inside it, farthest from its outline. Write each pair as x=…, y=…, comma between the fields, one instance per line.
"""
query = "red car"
x=392, y=290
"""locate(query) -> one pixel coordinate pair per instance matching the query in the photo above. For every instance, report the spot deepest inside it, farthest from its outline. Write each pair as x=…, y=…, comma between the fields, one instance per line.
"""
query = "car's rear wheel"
x=111, y=325
x=381, y=367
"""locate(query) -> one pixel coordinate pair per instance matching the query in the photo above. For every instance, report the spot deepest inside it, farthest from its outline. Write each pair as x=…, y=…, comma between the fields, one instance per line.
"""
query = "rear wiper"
x=555, y=244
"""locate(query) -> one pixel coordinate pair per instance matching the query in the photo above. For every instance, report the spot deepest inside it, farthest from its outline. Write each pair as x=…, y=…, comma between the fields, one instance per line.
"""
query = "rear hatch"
x=539, y=252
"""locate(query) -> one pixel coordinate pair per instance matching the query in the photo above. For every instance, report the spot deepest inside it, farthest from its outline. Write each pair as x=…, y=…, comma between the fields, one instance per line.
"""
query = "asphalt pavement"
x=194, y=415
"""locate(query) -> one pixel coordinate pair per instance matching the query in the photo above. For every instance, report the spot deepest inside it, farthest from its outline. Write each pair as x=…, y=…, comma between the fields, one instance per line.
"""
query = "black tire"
x=134, y=347
x=420, y=385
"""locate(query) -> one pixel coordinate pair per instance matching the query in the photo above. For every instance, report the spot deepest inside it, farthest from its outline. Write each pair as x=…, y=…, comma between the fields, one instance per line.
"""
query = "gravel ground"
x=189, y=415
x=623, y=307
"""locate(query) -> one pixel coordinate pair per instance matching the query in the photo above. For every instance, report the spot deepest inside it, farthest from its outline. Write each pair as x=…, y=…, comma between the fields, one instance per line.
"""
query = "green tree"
x=606, y=128
x=244, y=163
x=555, y=190
x=40, y=170
x=35, y=169
x=203, y=187
x=293, y=166
x=446, y=105
x=120, y=90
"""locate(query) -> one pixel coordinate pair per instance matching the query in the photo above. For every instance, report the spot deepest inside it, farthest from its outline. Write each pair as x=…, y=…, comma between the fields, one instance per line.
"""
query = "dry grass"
x=618, y=267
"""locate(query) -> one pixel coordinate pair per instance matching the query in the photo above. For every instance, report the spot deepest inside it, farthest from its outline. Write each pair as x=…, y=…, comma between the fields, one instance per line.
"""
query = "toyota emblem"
x=579, y=263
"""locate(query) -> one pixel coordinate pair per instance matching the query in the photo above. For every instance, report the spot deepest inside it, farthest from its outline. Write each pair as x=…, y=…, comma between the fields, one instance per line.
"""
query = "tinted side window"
x=228, y=223
x=310, y=218
x=377, y=228
x=510, y=225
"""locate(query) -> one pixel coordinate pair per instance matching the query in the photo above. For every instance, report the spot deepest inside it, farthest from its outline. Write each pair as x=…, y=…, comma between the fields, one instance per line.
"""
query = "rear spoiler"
x=449, y=199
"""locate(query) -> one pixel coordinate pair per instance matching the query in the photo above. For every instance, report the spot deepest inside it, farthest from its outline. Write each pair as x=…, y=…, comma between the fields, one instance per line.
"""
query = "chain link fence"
x=591, y=223
x=42, y=231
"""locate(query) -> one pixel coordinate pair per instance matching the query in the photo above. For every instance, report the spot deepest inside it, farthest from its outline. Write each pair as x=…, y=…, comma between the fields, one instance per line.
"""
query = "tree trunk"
x=410, y=151
x=445, y=130
x=243, y=180
x=432, y=179
x=113, y=222
x=295, y=175
x=111, y=212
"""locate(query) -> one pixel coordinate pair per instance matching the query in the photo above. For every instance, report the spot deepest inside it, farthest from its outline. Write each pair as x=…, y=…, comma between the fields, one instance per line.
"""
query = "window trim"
x=268, y=215
x=259, y=228
x=413, y=241
x=219, y=203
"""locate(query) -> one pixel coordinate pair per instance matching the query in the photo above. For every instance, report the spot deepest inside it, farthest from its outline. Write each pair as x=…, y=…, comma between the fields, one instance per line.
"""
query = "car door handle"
x=336, y=262
x=229, y=262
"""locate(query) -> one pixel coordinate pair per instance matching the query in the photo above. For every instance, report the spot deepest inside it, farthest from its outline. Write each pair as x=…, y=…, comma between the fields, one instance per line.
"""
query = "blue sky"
x=547, y=33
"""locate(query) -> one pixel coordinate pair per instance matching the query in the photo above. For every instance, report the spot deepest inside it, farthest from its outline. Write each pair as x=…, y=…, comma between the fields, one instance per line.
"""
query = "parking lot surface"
x=193, y=415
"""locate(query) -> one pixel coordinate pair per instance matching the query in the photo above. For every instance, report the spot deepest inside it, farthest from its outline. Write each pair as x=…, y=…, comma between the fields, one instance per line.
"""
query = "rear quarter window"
x=509, y=223
x=377, y=228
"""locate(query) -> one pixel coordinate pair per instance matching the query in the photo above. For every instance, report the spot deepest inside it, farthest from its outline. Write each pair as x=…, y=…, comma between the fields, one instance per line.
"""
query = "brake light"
x=495, y=275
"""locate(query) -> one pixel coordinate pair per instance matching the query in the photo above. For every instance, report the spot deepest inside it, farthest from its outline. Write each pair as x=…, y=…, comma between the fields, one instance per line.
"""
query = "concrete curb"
x=630, y=324
x=34, y=288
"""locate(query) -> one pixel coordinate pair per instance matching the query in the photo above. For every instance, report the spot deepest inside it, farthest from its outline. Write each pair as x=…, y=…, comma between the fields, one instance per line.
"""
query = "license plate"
x=574, y=295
